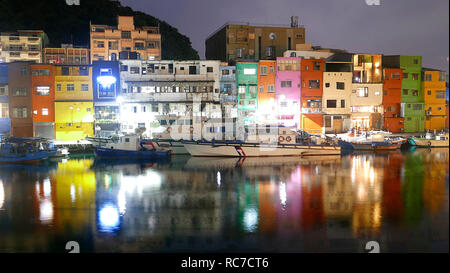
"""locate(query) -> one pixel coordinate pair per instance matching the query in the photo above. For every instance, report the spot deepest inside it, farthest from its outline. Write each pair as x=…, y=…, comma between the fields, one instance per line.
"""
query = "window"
x=271, y=88
x=239, y=52
x=415, y=61
x=4, y=90
x=342, y=103
x=269, y=51
x=417, y=106
x=251, y=102
x=395, y=75
x=405, y=92
x=126, y=34
x=261, y=89
x=249, y=71
x=252, y=89
x=340, y=85
x=415, y=93
x=316, y=66
x=391, y=109
x=429, y=92
x=405, y=75
x=440, y=94
x=241, y=89
x=45, y=111
x=442, y=76
x=225, y=72
x=23, y=71
x=328, y=121
x=263, y=70
x=123, y=67
x=209, y=69
x=41, y=72
x=4, y=111
x=100, y=44
x=21, y=112
x=298, y=36
x=362, y=92
x=428, y=77
x=327, y=84
x=377, y=93
x=84, y=87
x=58, y=87
x=65, y=70
x=42, y=90
x=314, y=84
x=139, y=46
x=70, y=87
x=19, y=92
x=286, y=83
x=134, y=70
x=331, y=103
x=283, y=103
x=415, y=76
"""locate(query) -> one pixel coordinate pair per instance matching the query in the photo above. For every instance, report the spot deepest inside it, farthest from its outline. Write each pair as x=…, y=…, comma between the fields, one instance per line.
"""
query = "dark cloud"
x=410, y=27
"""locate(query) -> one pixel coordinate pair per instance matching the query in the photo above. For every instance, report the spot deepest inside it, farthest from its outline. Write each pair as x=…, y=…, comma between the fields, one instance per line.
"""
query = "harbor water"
x=189, y=204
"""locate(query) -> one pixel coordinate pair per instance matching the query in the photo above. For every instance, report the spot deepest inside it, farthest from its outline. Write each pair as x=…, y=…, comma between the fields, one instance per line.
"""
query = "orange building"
x=266, y=91
x=43, y=100
x=311, y=95
x=392, y=88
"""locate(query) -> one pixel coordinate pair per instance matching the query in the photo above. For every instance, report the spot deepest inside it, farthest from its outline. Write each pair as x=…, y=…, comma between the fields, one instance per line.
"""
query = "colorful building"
x=367, y=89
x=266, y=92
x=124, y=41
x=433, y=86
x=66, y=54
x=43, y=100
x=228, y=93
x=392, y=89
x=287, y=87
x=106, y=90
x=74, y=107
x=311, y=95
x=5, y=122
x=247, y=87
x=412, y=93
x=20, y=98
x=244, y=41
x=337, y=90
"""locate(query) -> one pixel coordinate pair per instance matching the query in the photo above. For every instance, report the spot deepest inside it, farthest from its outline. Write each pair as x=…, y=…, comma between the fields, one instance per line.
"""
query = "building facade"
x=244, y=41
x=66, y=54
x=247, y=87
x=311, y=95
x=43, y=100
x=124, y=41
x=106, y=90
x=74, y=107
x=392, y=89
x=157, y=95
x=366, y=99
x=287, y=87
x=228, y=90
x=434, y=92
x=20, y=99
x=266, y=92
x=5, y=121
x=412, y=93
x=23, y=45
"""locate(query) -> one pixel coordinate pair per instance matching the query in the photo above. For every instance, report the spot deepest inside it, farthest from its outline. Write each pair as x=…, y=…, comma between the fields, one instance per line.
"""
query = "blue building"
x=5, y=121
x=228, y=93
x=106, y=89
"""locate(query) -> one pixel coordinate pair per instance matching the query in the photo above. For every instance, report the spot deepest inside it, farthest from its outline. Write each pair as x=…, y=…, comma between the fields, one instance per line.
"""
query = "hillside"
x=70, y=24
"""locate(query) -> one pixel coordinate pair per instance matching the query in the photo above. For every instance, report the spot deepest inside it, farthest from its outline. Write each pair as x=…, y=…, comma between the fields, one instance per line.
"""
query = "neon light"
x=106, y=81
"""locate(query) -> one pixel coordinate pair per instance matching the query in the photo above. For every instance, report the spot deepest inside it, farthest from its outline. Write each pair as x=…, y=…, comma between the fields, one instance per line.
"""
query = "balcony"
x=312, y=111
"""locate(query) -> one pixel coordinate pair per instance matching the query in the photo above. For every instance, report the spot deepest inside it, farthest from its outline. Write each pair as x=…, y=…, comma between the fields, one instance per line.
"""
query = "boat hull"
x=176, y=147
x=430, y=143
x=116, y=153
x=29, y=158
x=257, y=150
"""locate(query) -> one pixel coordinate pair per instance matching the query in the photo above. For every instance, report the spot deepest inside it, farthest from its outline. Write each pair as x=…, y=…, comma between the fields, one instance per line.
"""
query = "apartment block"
x=392, y=90
x=247, y=87
x=311, y=92
x=124, y=41
x=5, y=122
x=22, y=45
x=266, y=92
x=434, y=92
x=66, y=54
x=287, y=90
x=43, y=100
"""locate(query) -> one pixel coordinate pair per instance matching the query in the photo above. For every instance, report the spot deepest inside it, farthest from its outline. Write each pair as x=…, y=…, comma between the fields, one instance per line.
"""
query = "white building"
x=23, y=45
x=161, y=94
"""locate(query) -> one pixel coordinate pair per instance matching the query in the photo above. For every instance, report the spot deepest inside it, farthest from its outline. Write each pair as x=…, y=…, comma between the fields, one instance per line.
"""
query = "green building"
x=412, y=98
x=247, y=87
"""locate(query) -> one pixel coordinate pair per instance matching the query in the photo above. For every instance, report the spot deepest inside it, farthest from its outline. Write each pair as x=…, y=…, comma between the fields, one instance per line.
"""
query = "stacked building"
x=257, y=75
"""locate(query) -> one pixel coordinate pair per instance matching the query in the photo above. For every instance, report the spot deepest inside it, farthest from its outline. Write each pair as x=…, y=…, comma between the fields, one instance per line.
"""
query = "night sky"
x=409, y=27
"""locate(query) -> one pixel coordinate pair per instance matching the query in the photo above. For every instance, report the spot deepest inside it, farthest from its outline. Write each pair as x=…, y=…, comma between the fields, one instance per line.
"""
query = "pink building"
x=287, y=90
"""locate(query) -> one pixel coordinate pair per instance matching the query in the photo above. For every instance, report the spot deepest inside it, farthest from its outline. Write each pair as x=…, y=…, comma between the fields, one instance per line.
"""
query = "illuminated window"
x=271, y=88
x=261, y=89
x=241, y=89
x=263, y=70
x=84, y=87
x=42, y=90
x=395, y=75
x=249, y=71
x=314, y=84
x=19, y=92
x=44, y=111
x=70, y=87
x=363, y=91
x=415, y=76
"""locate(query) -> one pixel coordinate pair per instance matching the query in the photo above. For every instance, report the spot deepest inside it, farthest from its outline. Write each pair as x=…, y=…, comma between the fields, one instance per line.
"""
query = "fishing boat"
x=430, y=141
x=387, y=144
x=286, y=143
x=371, y=141
x=15, y=150
x=129, y=147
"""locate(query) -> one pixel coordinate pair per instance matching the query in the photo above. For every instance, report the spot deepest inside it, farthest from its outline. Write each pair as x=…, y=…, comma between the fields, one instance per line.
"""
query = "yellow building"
x=74, y=107
x=433, y=86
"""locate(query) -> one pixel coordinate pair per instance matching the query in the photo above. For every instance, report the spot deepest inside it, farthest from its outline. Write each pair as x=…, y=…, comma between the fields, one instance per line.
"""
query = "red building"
x=43, y=100
x=392, y=86
x=311, y=95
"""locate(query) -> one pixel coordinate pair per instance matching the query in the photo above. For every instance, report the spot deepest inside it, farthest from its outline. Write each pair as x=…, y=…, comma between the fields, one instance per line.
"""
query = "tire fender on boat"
x=429, y=143
x=281, y=138
x=288, y=138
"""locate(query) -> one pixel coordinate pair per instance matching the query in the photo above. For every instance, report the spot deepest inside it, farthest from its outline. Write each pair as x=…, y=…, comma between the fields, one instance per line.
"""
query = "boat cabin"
x=128, y=143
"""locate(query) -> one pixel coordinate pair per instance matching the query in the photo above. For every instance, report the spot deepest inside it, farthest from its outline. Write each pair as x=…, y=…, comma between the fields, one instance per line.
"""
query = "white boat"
x=242, y=149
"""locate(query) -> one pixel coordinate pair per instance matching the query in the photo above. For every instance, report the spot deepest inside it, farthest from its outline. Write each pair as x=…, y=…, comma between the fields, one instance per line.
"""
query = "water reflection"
x=210, y=204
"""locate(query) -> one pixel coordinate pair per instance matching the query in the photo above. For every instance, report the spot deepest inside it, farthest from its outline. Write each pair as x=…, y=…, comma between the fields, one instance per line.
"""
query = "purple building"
x=287, y=90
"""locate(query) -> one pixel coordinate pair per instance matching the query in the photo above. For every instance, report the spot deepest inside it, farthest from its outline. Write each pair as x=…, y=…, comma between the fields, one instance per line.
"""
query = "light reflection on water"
x=326, y=204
